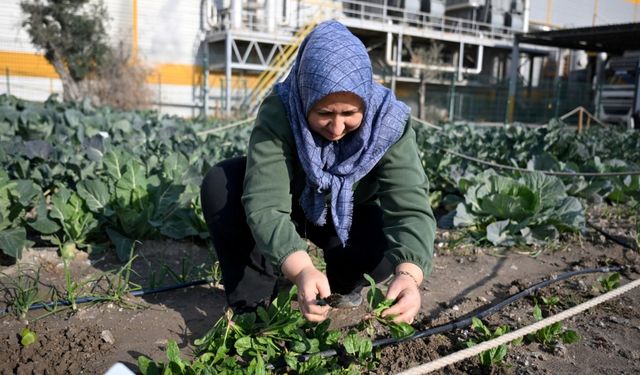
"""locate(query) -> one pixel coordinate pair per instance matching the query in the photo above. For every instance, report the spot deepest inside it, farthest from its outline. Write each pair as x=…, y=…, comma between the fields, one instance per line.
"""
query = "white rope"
x=423, y=122
x=232, y=125
x=477, y=349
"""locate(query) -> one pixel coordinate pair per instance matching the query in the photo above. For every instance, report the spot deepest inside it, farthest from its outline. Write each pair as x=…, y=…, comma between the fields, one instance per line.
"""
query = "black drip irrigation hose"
x=135, y=293
x=464, y=322
x=612, y=237
x=548, y=173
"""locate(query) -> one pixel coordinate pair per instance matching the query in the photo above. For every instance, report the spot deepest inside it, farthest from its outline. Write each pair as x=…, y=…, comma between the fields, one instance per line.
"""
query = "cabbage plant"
x=530, y=209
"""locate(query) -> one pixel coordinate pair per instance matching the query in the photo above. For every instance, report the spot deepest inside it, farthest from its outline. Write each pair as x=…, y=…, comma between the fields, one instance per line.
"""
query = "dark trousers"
x=249, y=279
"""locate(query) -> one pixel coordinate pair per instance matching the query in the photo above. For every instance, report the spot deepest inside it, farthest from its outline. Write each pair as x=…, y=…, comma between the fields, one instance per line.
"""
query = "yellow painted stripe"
x=26, y=65
x=35, y=65
x=191, y=75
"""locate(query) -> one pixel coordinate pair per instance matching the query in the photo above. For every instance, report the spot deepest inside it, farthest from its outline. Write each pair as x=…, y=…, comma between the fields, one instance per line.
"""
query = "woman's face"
x=336, y=115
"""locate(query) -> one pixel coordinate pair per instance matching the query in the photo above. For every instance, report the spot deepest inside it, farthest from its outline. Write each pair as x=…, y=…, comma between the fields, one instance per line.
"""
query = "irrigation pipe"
x=464, y=322
x=232, y=125
x=135, y=293
x=611, y=237
x=509, y=167
x=426, y=123
x=549, y=173
x=477, y=349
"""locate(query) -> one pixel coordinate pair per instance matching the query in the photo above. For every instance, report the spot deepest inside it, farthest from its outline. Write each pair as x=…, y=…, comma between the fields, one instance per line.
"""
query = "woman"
x=333, y=159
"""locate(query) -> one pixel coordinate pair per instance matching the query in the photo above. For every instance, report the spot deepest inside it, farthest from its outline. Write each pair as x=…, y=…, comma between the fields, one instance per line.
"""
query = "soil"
x=465, y=279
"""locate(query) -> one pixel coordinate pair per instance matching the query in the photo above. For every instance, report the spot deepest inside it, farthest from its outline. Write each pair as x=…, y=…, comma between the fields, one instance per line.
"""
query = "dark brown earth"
x=464, y=279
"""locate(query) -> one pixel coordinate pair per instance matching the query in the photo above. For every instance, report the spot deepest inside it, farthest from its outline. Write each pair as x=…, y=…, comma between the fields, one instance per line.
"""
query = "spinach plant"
x=491, y=357
x=377, y=304
x=246, y=343
x=550, y=335
x=609, y=283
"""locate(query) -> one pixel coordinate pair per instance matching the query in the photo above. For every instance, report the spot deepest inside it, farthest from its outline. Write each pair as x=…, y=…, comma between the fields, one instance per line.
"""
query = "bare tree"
x=121, y=81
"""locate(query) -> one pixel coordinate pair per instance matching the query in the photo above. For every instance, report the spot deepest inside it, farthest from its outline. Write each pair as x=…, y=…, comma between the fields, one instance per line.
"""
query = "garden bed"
x=464, y=279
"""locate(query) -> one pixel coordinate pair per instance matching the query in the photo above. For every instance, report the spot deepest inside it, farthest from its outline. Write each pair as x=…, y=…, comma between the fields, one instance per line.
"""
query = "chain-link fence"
x=478, y=98
x=487, y=102
x=24, y=73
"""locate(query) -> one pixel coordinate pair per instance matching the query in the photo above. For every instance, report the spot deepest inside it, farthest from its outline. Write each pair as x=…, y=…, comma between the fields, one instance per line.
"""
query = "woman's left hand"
x=406, y=294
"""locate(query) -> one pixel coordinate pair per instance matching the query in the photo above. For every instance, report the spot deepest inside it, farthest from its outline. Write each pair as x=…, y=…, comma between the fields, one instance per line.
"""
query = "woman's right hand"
x=311, y=284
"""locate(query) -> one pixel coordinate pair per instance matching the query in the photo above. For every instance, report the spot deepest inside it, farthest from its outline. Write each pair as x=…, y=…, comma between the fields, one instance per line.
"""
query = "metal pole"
x=6, y=72
x=397, y=71
x=557, y=95
x=227, y=74
x=526, y=16
x=159, y=92
x=513, y=79
x=452, y=96
x=460, y=61
x=222, y=101
x=205, y=79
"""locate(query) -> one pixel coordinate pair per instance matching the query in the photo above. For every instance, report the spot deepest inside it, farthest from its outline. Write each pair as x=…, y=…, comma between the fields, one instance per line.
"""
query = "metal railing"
x=372, y=12
x=383, y=13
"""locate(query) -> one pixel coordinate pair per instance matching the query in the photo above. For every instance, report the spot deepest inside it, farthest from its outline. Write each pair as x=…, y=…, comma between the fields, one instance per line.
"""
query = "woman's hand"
x=311, y=283
x=404, y=290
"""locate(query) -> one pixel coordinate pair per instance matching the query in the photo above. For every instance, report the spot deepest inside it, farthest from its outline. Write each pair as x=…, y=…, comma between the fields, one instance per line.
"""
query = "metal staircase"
x=279, y=67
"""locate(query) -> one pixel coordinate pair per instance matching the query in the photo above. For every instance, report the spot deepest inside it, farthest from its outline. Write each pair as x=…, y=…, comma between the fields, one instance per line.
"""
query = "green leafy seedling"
x=27, y=337
x=247, y=343
x=119, y=285
x=550, y=301
x=186, y=270
x=609, y=283
x=358, y=346
x=23, y=291
x=216, y=273
x=550, y=335
x=148, y=366
x=495, y=356
x=378, y=304
x=72, y=287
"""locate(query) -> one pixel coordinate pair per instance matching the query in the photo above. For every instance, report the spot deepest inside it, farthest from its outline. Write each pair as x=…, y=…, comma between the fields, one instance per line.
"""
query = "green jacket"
x=274, y=178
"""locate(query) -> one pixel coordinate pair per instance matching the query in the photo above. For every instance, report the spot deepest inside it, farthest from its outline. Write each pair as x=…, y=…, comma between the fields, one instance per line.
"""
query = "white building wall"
x=169, y=30
x=119, y=25
x=168, y=43
x=13, y=36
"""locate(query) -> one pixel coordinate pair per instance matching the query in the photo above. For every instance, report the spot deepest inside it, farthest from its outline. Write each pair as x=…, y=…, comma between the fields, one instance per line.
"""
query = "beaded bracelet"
x=408, y=274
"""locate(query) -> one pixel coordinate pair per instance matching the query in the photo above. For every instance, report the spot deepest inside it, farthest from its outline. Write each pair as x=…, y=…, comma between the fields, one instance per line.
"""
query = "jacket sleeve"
x=409, y=224
x=267, y=192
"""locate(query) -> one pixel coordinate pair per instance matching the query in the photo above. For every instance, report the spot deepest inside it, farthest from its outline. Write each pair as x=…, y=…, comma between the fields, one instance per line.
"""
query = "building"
x=446, y=58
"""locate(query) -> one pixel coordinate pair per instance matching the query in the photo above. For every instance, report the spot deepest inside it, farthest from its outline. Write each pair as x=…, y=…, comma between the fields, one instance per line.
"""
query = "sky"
x=577, y=13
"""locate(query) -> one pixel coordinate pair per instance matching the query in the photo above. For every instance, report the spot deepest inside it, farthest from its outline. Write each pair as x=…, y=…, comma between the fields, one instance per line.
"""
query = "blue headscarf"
x=332, y=60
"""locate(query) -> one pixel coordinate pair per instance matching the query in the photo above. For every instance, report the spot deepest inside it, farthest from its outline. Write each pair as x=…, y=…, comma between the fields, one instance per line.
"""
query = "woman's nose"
x=337, y=127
